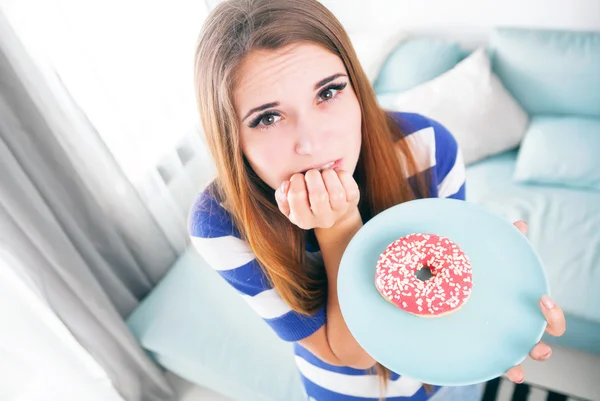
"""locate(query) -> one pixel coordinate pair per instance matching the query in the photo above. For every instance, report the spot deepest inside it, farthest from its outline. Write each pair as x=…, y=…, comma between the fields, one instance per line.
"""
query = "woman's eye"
x=269, y=119
x=328, y=94
x=331, y=92
x=265, y=120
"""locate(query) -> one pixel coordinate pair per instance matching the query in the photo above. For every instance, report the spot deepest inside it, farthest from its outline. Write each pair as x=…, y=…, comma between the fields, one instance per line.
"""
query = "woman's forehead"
x=266, y=75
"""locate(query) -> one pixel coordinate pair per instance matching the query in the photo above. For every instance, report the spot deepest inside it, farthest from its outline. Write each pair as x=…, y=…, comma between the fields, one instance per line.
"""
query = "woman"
x=305, y=157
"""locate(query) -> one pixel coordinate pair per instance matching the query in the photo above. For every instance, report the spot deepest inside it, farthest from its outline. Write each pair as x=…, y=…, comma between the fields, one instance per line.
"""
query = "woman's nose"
x=309, y=140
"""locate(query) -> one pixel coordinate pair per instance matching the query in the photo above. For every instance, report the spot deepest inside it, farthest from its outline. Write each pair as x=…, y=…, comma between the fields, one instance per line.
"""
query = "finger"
x=540, y=352
x=317, y=194
x=554, y=316
x=300, y=213
x=337, y=193
x=281, y=198
x=522, y=226
x=516, y=374
x=350, y=186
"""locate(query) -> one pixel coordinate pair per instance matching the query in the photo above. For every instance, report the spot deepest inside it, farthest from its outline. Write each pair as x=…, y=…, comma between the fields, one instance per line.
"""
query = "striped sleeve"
x=215, y=238
x=450, y=172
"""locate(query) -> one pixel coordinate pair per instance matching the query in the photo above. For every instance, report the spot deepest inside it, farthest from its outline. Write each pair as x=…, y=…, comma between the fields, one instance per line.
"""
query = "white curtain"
x=102, y=157
x=39, y=358
x=128, y=65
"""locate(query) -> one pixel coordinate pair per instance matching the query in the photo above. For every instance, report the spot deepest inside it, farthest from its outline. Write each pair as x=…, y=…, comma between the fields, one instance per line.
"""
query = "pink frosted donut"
x=445, y=292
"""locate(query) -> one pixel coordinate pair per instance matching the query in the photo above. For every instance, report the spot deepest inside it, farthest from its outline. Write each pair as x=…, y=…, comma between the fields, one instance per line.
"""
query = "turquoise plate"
x=492, y=332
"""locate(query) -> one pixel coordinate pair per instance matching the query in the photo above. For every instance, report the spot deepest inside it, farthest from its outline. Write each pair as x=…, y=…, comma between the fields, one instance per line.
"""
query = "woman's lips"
x=334, y=164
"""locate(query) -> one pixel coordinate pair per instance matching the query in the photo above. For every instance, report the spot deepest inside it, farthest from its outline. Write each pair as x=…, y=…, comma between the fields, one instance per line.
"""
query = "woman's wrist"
x=334, y=240
x=351, y=222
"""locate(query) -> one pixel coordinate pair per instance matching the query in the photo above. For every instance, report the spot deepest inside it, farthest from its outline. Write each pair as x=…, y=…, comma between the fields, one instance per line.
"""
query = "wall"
x=468, y=21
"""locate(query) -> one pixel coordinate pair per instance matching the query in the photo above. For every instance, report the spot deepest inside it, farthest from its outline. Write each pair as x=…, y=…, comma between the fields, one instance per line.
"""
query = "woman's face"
x=297, y=111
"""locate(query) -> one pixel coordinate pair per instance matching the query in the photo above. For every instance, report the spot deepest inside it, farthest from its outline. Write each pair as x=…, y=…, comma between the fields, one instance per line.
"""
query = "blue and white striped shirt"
x=219, y=243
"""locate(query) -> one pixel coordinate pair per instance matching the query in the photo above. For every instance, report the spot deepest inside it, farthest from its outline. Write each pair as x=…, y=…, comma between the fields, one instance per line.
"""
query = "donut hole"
x=423, y=273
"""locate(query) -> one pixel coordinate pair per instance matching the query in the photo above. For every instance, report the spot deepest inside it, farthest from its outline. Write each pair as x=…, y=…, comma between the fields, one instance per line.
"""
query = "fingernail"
x=547, y=302
x=278, y=192
x=546, y=356
x=520, y=381
x=281, y=192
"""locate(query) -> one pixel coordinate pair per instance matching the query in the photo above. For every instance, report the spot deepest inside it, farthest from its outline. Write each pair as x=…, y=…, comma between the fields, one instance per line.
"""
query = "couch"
x=195, y=325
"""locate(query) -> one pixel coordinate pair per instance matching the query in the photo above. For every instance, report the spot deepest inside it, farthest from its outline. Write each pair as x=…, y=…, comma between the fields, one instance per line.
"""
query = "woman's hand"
x=319, y=199
x=327, y=201
x=556, y=327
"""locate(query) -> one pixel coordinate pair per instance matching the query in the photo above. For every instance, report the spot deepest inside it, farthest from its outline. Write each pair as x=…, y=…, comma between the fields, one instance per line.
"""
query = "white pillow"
x=471, y=102
x=374, y=46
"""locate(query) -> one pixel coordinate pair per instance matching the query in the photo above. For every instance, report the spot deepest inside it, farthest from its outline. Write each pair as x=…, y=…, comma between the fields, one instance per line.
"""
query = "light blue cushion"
x=416, y=61
x=549, y=72
x=563, y=228
x=197, y=326
x=561, y=151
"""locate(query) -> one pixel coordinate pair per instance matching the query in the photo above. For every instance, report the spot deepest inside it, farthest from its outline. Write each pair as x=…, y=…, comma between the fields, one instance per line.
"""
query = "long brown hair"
x=232, y=30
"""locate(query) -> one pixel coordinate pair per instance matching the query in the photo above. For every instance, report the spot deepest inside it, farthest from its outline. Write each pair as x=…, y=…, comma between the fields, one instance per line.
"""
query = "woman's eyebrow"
x=265, y=106
x=261, y=108
x=328, y=79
